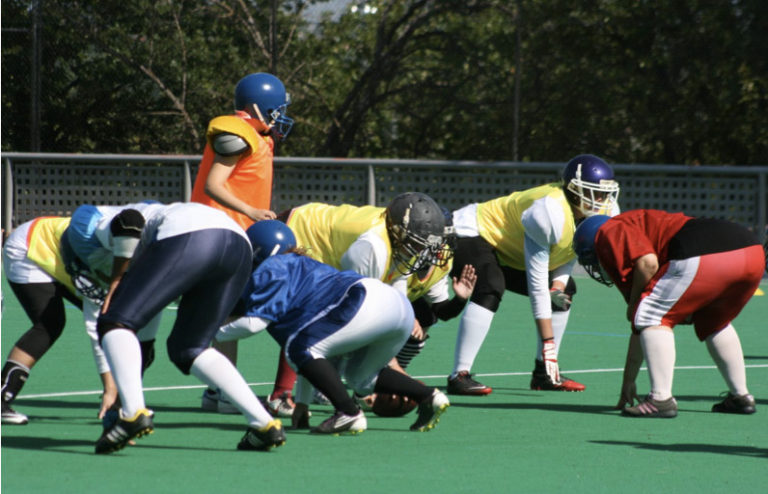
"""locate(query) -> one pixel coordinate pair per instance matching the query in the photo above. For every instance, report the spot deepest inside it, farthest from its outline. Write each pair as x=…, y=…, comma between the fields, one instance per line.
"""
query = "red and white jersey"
x=708, y=269
x=630, y=235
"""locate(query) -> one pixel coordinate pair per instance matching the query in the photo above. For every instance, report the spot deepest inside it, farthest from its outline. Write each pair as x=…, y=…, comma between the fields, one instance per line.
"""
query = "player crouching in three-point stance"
x=673, y=269
x=197, y=253
x=329, y=323
x=523, y=243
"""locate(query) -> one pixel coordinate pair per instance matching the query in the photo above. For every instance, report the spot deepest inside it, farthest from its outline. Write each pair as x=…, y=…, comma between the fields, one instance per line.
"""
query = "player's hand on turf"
x=628, y=395
x=549, y=355
x=465, y=284
x=418, y=332
x=560, y=298
x=108, y=400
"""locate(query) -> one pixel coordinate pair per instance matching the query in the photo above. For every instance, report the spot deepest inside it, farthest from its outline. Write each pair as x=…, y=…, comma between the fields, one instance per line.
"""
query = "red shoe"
x=544, y=383
x=540, y=381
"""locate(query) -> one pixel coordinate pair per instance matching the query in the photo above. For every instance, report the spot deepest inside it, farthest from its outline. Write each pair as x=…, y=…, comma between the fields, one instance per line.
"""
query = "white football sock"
x=559, y=323
x=123, y=353
x=473, y=327
x=215, y=370
x=659, y=352
x=725, y=349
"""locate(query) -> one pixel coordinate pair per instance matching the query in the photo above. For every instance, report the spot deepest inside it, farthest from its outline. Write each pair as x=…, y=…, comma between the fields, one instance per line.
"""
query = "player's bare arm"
x=628, y=394
x=119, y=267
x=221, y=169
x=645, y=268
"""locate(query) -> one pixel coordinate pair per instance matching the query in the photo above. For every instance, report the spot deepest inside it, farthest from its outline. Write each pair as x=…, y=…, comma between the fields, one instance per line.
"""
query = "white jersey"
x=368, y=256
x=90, y=234
x=179, y=218
x=543, y=223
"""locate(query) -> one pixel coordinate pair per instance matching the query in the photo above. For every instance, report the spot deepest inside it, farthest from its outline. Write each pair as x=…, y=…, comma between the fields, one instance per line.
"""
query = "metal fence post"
x=187, y=182
x=7, y=197
x=371, y=186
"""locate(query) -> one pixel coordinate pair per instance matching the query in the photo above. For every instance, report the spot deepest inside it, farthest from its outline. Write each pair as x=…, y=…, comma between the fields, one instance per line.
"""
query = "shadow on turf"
x=694, y=448
x=46, y=443
x=581, y=408
x=600, y=410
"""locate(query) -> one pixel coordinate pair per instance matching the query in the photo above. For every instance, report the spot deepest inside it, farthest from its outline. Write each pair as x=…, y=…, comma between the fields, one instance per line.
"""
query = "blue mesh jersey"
x=293, y=291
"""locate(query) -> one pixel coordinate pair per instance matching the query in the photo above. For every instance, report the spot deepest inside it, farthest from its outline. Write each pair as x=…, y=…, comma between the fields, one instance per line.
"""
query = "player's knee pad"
x=490, y=301
x=103, y=327
x=39, y=338
x=182, y=357
x=489, y=288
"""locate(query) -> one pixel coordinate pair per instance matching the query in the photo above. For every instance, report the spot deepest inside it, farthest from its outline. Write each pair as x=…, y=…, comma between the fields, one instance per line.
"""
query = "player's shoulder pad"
x=226, y=144
x=129, y=223
x=232, y=124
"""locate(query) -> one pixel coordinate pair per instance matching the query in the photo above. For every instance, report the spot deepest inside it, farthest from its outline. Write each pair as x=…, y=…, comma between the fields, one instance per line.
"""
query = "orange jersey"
x=251, y=178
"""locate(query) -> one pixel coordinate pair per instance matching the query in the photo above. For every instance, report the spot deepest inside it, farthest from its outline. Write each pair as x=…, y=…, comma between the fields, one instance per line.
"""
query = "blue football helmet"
x=263, y=96
x=590, y=186
x=269, y=238
x=584, y=246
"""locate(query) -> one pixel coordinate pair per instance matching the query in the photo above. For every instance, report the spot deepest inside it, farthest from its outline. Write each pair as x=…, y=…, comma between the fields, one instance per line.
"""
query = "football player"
x=522, y=243
x=391, y=244
x=43, y=268
x=35, y=270
x=674, y=269
x=235, y=174
x=329, y=323
x=200, y=255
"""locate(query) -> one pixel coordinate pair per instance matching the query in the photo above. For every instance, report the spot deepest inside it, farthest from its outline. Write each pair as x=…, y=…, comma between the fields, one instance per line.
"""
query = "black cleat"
x=270, y=436
x=12, y=417
x=744, y=404
x=430, y=411
x=341, y=423
x=124, y=430
x=463, y=384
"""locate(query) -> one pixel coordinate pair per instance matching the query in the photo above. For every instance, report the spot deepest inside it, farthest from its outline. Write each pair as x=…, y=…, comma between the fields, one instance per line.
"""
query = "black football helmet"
x=416, y=227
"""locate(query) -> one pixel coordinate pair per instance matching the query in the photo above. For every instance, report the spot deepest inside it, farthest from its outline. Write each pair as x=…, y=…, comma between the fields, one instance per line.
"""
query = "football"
x=392, y=405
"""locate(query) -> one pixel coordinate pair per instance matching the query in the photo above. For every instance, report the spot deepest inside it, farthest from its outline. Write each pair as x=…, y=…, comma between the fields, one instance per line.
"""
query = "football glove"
x=549, y=354
x=560, y=298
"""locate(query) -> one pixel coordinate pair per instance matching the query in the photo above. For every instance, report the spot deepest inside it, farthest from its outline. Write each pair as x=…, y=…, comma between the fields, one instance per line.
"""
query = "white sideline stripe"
x=491, y=374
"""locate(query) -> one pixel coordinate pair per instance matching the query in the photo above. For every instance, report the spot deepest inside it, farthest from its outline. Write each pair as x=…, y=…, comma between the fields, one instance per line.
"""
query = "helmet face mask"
x=589, y=182
x=584, y=246
x=594, y=269
x=416, y=228
x=263, y=96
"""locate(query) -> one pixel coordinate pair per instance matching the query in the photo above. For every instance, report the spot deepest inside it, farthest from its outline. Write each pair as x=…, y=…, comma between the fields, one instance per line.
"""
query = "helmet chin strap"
x=256, y=113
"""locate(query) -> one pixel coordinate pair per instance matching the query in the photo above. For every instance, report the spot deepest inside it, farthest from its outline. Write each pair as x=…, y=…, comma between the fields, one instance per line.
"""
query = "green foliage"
x=644, y=81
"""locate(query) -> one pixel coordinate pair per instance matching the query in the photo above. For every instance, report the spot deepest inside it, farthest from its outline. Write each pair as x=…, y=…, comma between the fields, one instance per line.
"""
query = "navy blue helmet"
x=589, y=185
x=269, y=238
x=584, y=246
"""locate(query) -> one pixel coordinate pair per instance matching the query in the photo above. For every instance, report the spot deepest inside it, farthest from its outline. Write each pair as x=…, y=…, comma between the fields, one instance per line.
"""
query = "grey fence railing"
x=39, y=184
